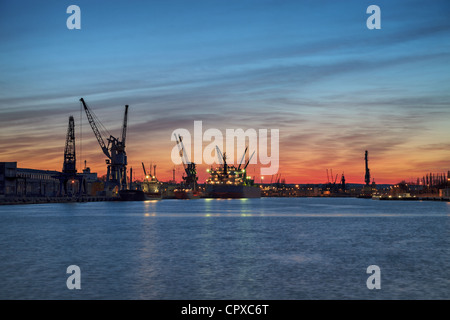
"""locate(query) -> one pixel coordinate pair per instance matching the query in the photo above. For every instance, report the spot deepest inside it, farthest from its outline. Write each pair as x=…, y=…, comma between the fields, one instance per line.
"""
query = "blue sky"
x=309, y=68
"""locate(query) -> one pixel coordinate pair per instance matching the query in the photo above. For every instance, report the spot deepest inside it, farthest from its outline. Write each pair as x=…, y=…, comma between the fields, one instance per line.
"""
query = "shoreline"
x=43, y=200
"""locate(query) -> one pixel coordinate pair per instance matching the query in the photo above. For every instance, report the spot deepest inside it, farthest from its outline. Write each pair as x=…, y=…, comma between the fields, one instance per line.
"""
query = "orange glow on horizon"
x=382, y=173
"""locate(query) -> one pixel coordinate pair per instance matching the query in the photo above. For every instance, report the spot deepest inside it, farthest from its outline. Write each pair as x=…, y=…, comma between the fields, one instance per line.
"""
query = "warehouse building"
x=21, y=182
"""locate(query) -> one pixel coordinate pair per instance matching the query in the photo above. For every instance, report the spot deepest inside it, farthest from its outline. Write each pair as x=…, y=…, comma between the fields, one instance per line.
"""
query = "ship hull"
x=137, y=195
x=232, y=191
x=183, y=194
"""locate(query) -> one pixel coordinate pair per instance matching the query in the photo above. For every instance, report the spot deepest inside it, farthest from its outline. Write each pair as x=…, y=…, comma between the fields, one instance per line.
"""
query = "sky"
x=311, y=69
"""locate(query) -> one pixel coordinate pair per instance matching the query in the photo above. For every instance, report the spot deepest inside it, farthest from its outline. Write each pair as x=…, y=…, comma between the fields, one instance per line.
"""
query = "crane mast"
x=69, y=165
x=367, y=177
x=69, y=170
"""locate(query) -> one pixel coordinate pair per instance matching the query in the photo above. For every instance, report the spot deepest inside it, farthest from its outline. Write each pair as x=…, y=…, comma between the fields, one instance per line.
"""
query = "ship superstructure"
x=228, y=181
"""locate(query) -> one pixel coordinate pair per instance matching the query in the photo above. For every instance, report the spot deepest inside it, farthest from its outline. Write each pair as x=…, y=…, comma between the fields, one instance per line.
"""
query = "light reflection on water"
x=270, y=248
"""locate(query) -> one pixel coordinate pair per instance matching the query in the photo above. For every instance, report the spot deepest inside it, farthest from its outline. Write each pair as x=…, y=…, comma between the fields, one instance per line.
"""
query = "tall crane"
x=367, y=177
x=190, y=179
x=69, y=170
x=116, y=176
x=69, y=165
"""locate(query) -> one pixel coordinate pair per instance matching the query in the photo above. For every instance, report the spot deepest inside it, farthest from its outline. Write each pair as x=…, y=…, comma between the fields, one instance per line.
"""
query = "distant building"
x=20, y=182
x=93, y=185
x=26, y=182
x=8, y=173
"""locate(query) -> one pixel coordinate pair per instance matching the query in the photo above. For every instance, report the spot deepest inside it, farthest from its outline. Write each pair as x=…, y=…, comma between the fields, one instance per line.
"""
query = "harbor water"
x=267, y=248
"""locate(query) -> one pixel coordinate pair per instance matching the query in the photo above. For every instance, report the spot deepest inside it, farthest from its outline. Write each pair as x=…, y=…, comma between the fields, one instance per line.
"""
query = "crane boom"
x=246, y=165
x=182, y=150
x=124, y=128
x=143, y=167
x=220, y=155
x=243, y=157
x=95, y=129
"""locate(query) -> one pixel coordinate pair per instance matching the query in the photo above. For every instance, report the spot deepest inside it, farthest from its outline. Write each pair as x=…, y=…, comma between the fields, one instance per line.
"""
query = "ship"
x=149, y=189
x=139, y=195
x=230, y=181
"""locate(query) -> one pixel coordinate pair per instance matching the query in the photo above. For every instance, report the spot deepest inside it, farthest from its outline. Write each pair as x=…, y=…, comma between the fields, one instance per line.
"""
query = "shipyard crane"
x=190, y=179
x=69, y=165
x=69, y=171
x=116, y=176
x=367, y=177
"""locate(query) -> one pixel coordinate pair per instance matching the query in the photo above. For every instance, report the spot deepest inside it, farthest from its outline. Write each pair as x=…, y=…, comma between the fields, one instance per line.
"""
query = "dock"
x=41, y=200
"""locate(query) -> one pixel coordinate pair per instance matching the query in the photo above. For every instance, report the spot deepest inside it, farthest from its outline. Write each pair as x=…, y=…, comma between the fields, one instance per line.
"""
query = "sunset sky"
x=311, y=69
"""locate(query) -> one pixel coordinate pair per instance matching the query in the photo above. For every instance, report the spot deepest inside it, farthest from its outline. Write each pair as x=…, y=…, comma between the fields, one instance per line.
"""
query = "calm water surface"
x=269, y=248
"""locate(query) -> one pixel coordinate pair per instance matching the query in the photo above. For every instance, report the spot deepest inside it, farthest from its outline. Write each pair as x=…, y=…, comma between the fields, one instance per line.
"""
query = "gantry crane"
x=116, y=177
x=190, y=179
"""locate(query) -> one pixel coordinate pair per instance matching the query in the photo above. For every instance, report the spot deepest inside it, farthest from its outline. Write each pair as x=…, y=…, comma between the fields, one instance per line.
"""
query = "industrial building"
x=22, y=182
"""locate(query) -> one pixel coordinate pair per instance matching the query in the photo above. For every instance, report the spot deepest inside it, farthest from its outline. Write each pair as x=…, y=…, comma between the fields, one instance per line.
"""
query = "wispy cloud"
x=332, y=87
